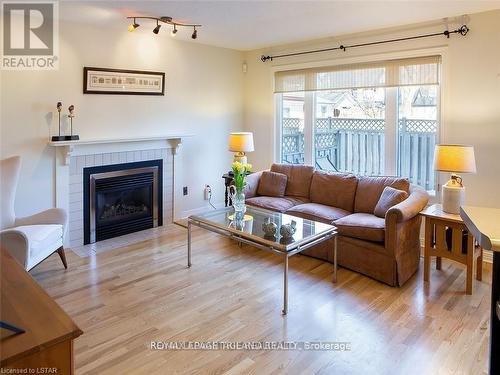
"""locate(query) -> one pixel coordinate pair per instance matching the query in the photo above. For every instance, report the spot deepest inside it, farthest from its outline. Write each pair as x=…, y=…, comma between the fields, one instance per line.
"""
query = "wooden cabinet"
x=46, y=346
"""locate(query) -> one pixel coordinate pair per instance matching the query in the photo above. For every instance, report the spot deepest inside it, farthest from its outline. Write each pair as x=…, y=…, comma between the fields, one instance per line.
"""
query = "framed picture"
x=122, y=82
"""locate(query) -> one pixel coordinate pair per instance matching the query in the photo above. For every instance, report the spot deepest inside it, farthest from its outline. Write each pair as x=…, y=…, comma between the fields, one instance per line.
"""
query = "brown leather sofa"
x=386, y=249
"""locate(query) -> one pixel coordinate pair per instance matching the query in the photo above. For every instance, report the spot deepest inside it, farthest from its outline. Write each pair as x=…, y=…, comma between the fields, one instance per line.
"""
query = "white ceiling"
x=253, y=24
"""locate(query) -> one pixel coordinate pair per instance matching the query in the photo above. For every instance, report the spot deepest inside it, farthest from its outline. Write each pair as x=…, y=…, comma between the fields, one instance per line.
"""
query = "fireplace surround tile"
x=77, y=163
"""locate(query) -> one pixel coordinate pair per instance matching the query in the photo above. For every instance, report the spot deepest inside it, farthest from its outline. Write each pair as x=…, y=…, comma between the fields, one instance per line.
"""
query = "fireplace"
x=121, y=198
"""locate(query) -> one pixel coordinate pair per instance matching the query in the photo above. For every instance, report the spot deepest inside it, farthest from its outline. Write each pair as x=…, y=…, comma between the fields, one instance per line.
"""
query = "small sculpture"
x=288, y=230
x=71, y=115
x=58, y=137
x=269, y=228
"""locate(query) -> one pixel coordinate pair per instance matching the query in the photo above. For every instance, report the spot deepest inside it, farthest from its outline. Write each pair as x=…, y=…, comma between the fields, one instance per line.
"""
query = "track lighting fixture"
x=164, y=19
x=174, y=30
x=156, y=30
x=133, y=26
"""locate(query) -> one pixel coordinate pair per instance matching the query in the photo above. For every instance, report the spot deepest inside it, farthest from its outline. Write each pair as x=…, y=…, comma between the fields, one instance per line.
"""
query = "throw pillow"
x=272, y=184
x=390, y=197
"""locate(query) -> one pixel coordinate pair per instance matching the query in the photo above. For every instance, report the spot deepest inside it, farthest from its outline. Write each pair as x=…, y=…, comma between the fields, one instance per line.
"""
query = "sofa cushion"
x=42, y=238
x=390, y=197
x=370, y=189
x=299, y=178
x=275, y=203
x=334, y=189
x=272, y=184
x=318, y=212
x=363, y=226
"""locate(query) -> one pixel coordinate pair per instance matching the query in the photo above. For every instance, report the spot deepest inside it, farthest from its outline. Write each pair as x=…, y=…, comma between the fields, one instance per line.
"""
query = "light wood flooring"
x=125, y=298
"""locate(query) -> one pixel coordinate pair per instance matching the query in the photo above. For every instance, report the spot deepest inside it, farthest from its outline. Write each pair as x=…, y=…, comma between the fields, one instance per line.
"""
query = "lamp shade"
x=241, y=142
x=454, y=158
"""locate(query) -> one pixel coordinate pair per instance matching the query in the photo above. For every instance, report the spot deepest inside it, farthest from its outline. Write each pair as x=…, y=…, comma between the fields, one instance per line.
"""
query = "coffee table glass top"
x=251, y=226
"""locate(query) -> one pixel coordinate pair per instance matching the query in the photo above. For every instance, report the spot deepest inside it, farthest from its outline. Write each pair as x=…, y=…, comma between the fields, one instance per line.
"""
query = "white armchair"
x=29, y=239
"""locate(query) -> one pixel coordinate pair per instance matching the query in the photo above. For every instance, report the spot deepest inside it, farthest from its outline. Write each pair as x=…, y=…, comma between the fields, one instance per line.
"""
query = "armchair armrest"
x=410, y=207
x=252, y=181
x=17, y=244
x=50, y=216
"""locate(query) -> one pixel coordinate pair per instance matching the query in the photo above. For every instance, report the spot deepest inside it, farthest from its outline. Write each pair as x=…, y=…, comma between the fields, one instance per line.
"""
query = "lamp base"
x=452, y=199
x=240, y=157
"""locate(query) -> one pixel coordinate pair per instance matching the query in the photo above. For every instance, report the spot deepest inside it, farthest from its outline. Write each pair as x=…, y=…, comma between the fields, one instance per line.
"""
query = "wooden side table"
x=446, y=236
x=228, y=179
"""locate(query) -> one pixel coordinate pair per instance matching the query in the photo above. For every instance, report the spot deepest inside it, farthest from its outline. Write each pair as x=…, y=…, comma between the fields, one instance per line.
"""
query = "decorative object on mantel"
x=165, y=19
x=288, y=230
x=269, y=227
x=58, y=137
x=71, y=115
x=122, y=82
x=454, y=159
x=236, y=191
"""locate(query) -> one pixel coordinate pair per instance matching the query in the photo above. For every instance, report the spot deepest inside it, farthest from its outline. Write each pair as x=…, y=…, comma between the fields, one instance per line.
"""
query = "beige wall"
x=203, y=97
x=471, y=91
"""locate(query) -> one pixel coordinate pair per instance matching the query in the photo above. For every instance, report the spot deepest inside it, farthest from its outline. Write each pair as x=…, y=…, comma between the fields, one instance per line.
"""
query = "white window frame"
x=391, y=147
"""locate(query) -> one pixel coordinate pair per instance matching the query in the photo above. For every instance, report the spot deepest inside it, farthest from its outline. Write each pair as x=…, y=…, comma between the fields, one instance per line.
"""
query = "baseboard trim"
x=199, y=210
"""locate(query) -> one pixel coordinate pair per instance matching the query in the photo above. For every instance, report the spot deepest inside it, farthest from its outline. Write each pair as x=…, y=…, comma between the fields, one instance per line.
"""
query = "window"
x=292, y=128
x=368, y=119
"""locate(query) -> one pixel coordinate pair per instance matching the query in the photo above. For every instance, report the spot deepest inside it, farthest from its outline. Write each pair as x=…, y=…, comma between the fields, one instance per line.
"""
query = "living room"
x=241, y=127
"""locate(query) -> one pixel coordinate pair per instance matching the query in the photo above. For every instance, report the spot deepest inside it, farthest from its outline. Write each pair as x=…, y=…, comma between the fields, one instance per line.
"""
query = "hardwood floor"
x=126, y=298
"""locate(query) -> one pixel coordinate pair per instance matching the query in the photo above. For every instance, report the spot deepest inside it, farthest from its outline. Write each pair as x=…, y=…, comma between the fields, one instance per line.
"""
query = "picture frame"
x=122, y=82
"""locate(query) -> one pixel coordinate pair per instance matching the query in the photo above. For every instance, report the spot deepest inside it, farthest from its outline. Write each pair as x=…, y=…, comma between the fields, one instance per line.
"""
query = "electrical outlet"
x=207, y=192
x=185, y=190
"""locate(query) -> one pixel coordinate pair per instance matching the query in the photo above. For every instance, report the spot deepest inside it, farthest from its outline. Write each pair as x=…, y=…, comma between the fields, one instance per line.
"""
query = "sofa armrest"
x=50, y=216
x=402, y=233
x=252, y=183
x=17, y=244
x=408, y=208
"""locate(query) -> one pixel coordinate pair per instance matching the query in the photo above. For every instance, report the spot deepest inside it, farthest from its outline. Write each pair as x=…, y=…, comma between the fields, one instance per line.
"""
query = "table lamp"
x=454, y=159
x=239, y=143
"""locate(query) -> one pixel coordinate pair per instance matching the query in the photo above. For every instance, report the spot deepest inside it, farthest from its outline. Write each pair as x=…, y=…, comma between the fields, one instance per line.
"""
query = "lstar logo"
x=30, y=35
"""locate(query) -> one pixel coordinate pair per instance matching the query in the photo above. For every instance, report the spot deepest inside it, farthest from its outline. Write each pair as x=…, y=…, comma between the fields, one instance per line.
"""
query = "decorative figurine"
x=71, y=115
x=269, y=228
x=288, y=230
x=58, y=137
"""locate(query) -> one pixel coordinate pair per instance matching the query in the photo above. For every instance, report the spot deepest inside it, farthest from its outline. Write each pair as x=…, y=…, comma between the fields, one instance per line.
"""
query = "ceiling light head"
x=174, y=30
x=156, y=30
x=195, y=33
x=133, y=26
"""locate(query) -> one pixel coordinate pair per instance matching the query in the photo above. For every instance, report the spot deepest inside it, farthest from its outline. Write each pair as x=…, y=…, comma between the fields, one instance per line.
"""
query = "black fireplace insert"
x=121, y=198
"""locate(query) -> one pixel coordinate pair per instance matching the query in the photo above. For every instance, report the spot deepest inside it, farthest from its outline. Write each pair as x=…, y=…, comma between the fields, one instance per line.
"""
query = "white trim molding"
x=70, y=157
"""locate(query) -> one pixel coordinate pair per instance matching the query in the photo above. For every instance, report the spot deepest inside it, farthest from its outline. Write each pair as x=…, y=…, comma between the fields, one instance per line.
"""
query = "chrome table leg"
x=189, y=244
x=335, y=259
x=285, y=287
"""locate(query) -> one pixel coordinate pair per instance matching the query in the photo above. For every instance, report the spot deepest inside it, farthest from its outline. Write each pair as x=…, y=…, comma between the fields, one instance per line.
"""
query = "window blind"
x=390, y=73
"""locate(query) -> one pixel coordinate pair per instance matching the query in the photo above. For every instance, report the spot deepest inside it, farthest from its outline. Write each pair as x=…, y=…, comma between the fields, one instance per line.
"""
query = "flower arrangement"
x=240, y=171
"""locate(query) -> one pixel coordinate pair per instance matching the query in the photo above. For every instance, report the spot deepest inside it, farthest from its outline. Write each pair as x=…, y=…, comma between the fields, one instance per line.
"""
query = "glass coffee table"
x=249, y=231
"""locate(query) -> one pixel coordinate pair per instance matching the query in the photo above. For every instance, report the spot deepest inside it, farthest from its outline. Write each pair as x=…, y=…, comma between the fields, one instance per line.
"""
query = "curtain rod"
x=463, y=30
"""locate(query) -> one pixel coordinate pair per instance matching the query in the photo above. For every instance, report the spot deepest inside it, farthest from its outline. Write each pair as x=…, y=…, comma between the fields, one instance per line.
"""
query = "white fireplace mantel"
x=102, y=145
x=65, y=150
